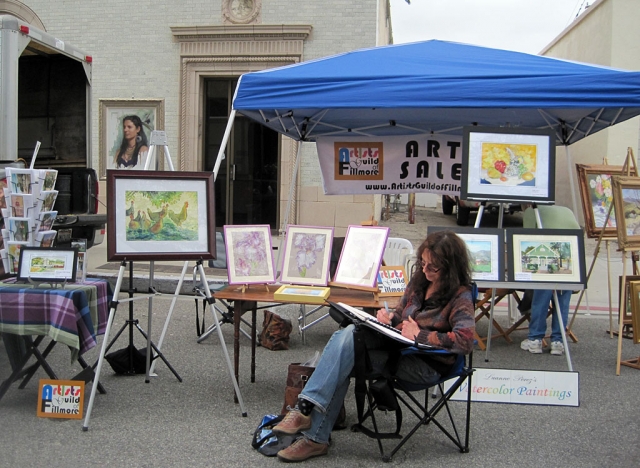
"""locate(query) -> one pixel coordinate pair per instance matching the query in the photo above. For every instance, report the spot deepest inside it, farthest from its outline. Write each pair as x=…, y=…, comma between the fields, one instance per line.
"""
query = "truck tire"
x=462, y=215
x=447, y=205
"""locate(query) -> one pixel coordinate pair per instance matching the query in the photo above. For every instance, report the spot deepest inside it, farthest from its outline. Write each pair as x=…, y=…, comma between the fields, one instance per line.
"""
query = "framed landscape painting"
x=486, y=251
x=249, y=254
x=596, y=193
x=306, y=255
x=546, y=255
x=156, y=215
x=626, y=199
x=508, y=164
x=361, y=257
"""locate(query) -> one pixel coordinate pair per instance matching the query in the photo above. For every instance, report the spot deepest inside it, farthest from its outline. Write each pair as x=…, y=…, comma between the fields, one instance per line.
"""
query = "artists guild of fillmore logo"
x=358, y=160
x=61, y=399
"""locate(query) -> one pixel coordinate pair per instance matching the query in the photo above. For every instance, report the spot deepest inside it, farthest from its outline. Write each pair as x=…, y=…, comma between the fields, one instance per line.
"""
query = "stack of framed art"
x=306, y=259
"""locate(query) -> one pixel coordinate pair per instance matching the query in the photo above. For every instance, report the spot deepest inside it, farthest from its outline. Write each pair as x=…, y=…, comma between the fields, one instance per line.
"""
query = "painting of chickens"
x=161, y=215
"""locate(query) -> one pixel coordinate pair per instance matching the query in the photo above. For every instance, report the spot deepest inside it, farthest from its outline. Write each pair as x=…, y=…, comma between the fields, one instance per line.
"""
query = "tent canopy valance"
x=440, y=87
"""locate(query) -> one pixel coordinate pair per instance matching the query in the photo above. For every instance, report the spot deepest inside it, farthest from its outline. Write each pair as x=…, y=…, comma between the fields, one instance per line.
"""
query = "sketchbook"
x=373, y=323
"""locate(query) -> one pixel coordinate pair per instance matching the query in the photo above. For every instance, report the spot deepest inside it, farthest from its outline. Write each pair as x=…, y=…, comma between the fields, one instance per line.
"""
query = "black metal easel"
x=131, y=323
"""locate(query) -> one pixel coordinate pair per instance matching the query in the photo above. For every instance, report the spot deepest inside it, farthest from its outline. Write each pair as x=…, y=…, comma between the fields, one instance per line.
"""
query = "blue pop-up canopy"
x=439, y=87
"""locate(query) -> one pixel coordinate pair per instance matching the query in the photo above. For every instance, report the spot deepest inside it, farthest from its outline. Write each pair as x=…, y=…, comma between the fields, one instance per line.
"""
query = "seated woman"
x=436, y=309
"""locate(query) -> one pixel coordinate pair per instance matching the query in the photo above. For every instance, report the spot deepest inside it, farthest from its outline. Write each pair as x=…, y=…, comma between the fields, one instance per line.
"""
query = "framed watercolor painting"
x=392, y=281
x=635, y=310
x=147, y=220
x=306, y=255
x=47, y=264
x=249, y=254
x=486, y=251
x=361, y=257
x=627, y=318
x=596, y=192
x=546, y=256
x=626, y=199
x=121, y=122
x=508, y=164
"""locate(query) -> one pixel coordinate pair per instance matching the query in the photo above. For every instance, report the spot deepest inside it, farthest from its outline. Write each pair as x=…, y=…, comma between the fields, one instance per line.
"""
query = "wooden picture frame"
x=627, y=317
x=486, y=250
x=148, y=220
x=392, y=281
x=596, y=193
x=303, y=294
x=47, y=264
x=626, y=200
x=546, y=256
x=110, y=123
x=361, y=257
x=508, y=164
x=249, y=254
x=306, y=255
x=635, y=310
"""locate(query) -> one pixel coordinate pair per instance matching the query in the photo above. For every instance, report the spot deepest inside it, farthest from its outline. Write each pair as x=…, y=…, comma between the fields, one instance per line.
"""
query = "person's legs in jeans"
x=564, y=298
x=539, y=310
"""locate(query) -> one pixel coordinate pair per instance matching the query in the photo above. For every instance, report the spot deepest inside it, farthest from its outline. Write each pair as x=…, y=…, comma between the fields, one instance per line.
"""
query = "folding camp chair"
x=396, y=393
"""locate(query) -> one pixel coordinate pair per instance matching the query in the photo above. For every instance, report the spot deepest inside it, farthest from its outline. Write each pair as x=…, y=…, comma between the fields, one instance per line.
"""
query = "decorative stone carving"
x=241, y=11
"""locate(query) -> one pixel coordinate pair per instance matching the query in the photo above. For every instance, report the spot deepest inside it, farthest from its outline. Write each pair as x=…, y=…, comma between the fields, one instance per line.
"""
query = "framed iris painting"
x=361, y=257
x=508, y=164
x=154, y=215
x=596, y=193
x=306, y=255
x=249, y=254
x=546, y=256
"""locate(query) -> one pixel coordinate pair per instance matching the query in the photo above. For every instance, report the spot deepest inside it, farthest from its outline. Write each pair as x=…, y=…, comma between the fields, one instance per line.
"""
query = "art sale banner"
x=391, y=164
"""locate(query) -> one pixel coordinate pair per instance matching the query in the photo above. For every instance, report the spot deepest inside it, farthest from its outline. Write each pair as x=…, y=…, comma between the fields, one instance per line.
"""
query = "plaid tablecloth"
x=73, y=315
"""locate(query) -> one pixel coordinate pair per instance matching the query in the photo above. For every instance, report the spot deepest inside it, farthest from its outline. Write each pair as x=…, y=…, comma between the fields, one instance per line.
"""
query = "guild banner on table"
x=520, y=387
x=391, y=164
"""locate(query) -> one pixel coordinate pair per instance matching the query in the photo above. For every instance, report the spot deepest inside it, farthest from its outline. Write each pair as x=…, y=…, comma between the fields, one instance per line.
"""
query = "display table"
x=73, y=315
x=246, y=300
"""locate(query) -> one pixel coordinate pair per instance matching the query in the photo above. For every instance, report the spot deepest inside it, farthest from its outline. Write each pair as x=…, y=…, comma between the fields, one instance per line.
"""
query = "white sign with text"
x=521, y=387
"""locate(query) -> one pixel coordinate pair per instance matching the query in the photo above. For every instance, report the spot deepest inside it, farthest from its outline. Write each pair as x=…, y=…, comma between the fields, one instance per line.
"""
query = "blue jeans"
x=329, y=382
x=539, y=310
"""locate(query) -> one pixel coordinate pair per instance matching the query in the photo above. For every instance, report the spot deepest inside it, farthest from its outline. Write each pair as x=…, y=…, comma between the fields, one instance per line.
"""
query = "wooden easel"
x=630, y=168
x=635, y=362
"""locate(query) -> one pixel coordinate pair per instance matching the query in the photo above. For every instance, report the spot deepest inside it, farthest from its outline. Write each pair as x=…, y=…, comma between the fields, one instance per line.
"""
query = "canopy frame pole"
x=223, y=145
x=292, y=186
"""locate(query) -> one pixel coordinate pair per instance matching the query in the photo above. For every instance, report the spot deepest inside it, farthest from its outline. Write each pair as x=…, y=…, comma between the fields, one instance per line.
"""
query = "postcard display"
x=27, y=202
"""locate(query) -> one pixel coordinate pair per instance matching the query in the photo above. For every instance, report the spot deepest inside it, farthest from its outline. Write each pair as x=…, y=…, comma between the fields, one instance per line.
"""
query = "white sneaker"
x=557, y=348
x=533, y=346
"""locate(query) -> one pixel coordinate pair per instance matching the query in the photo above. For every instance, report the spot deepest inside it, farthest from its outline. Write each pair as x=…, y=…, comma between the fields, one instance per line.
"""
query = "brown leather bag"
x=297, y=377
x=275, y=332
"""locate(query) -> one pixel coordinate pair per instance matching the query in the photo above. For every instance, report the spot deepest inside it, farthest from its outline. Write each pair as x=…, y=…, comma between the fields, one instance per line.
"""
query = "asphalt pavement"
x=196, y=423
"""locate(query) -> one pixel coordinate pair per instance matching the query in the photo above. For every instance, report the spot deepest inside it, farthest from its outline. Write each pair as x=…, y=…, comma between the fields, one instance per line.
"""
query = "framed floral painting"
x=306, y=255
x=249, y=254
x=361, y=257
x=596, y=192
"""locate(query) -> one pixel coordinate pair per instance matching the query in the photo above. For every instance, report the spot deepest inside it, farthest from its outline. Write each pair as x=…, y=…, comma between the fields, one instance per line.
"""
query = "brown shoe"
x=302, y=449
x=293, y=423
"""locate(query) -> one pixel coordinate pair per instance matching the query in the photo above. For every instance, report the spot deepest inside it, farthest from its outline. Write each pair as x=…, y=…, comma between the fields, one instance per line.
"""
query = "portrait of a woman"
x=134, y=144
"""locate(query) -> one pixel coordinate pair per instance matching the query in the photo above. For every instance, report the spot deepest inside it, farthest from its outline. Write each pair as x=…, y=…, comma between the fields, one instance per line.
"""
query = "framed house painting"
x=486, y=251
x=249, y=254
x=596, y=193
x=626, y=200
x=306, y=255
x=155, y=215
x=508, y=164
x=361, y=257
x=546, y=256
x=125, y=127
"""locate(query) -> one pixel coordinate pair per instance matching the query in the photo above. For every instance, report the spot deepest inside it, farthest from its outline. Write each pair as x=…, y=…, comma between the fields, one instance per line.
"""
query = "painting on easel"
x=149, y=221
x=626, y=199
x=596, y=192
